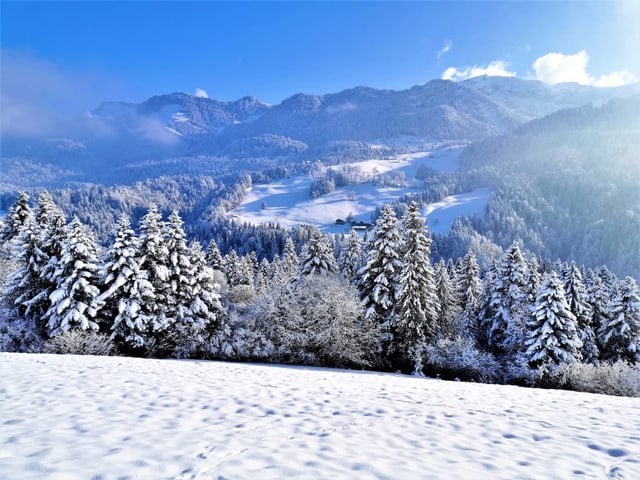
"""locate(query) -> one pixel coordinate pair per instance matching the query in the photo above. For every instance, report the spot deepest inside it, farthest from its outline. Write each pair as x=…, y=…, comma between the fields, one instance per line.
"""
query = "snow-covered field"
x=442, y=214
x=288, y=202
x=69, y=417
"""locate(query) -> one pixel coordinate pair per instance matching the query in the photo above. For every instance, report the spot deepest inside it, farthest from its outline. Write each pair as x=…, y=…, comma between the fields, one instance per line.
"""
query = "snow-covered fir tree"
x=205, y=308
x=417, y=302
x=214, y=257
x=380, y=276
x=290, y=264
x=73, y=301
x=620, y=336
x=154, y=261
x=468, y=291
x=578, y=301
x=351, y=257
x=534, y=279
x=262, y=277
x=26, y=282
x=127, y=299
x=20, y=213
x=234, y=269
x=317, y=256
x=179, y=294
x=552, y=329
x=447, y=306
x=509, y=305
x=599, y=307
x=274, y=268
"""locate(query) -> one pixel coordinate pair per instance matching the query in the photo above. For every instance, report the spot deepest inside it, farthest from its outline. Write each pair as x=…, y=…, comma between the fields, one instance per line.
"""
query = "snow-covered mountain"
x=302, y=127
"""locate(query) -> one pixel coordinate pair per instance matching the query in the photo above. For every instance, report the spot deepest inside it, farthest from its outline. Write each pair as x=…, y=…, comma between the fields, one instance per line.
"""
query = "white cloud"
x=445, y=48
x=201, y=93
x=616, y=79
x=497, y=68
x=559, y=68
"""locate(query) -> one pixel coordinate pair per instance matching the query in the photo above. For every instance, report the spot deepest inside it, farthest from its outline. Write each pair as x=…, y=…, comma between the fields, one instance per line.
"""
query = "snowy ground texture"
x=68, y=417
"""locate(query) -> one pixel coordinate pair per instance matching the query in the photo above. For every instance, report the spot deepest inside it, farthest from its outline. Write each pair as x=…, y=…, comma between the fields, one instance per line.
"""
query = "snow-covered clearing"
x=442, y=214
x=288, y=202
x=68, y=417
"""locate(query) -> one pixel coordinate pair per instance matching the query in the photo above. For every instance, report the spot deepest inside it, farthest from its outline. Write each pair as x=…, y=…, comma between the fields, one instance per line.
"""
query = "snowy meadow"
x=69, y=417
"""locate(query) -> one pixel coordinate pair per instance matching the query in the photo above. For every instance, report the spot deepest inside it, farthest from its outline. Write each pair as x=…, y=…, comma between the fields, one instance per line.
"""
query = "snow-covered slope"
x=288, y=202
x=69, y=417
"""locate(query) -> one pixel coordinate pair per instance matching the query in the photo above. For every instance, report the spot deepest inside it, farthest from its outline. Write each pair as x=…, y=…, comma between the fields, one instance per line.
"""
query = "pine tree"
x=620, y=337
x=290, y=265
x=552, y=336
x=351, y=257
x=317, y=256
x=578, y=301
x=418, y=305
x=72, y=303
x=214, y=257
x=127, y=301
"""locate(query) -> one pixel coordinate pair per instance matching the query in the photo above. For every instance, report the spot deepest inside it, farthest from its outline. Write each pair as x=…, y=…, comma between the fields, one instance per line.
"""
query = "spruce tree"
x=552, y=330
x=73, y=301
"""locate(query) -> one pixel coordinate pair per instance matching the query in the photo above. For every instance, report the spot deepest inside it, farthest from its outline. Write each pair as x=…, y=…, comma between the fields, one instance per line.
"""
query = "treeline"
x=380, y=304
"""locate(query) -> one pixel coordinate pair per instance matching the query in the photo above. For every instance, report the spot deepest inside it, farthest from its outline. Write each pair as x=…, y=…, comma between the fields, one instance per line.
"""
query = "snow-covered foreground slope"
x=67, y=417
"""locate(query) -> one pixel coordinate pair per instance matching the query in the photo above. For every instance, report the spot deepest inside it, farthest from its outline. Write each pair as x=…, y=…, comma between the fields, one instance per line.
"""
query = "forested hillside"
x=568, y=185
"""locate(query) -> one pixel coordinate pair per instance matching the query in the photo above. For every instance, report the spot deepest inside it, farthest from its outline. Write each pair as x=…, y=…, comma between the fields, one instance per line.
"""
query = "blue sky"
x=97, y=51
